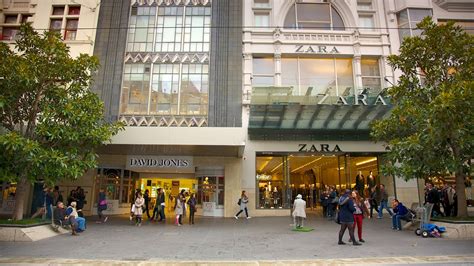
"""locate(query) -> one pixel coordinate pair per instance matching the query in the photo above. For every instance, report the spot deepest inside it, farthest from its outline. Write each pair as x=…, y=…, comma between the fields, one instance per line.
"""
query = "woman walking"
x=360, y=210
x=346, y=217
x=138, y=209
x=192, y=207
x=178, y=209
x=243, y=205
x=102, y=206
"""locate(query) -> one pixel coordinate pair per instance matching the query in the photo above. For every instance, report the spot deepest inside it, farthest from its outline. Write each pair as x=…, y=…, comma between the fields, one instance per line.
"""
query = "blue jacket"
x=400, y=209
x=346, y=210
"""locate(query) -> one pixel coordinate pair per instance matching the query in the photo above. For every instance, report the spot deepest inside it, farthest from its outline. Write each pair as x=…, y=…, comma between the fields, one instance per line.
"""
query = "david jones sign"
x=159, y=162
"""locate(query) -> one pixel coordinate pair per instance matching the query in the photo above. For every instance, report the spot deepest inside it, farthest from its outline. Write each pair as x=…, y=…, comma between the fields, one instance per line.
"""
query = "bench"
x=56, y=224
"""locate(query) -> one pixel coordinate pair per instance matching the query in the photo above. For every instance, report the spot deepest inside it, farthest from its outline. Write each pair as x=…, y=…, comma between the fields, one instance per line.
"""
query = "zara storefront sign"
x=154, y=162
x=316, y=49
x=304, y=147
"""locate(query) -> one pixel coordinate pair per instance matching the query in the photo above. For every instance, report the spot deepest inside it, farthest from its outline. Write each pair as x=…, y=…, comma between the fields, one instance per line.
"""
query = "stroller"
x=432, y=230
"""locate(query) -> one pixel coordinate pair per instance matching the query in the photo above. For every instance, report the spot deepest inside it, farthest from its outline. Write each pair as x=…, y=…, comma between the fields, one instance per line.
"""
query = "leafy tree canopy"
x=51, y=123
x=430, y=129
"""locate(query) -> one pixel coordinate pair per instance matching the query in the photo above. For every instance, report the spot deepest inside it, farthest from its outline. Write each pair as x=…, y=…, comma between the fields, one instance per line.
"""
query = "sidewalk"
x=217, y=239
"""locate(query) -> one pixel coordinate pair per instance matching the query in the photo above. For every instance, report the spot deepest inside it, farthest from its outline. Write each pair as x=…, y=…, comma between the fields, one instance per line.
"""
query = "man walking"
x=383, y=202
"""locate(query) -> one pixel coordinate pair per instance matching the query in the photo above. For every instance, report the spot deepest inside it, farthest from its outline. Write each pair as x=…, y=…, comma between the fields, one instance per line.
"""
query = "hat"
x=299, y=196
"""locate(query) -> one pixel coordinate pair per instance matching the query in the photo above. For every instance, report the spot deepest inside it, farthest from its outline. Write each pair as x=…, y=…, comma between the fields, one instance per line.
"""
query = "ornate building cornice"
x=171, y=2
x=166, y=58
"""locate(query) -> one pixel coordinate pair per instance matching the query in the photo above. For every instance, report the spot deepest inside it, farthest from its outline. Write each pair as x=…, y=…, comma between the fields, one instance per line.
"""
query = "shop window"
x=315, y=16
x=467, y=25
x=74, y=10
x=58, y=10
x=7, y=197
x=371, y=78
x=11, y=19
x=271, y=185
x=211, y=189
x=71, y=29
x=407, y=20
x=263, y=71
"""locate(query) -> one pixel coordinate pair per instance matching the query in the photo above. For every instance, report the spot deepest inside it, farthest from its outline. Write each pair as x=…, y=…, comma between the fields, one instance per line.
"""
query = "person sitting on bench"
x=400, y=213
x=71, y=212
x=61, y=219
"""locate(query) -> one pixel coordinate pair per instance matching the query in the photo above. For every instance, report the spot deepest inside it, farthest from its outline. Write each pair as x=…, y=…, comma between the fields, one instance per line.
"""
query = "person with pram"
x=400, y=213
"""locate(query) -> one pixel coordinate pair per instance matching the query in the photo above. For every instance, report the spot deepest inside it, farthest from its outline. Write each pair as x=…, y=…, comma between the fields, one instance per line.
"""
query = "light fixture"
x=304, y=165
x=367, y=161
x=265, y=164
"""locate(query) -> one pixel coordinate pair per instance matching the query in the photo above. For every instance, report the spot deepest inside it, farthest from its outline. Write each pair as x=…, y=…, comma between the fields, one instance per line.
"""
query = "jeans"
x=397, y=220
x=81, y=223
x=162, y=213
x=246, y=212
x=383, y=205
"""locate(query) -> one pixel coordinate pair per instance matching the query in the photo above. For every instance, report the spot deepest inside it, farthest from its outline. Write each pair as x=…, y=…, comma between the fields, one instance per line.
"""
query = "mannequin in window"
x=276, y=196
x=359, y=186
x=205, y=189
x=370, y=181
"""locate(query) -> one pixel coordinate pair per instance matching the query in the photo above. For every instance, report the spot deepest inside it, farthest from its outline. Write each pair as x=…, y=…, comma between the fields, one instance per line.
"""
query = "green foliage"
x=430, y=130
x=51, y=123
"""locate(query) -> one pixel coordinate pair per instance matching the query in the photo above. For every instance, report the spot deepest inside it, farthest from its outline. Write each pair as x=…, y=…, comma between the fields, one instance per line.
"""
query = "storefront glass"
x=280, y=178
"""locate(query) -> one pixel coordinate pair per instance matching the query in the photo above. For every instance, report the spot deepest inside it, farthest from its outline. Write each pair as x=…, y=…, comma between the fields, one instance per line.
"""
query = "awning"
x=277, y=114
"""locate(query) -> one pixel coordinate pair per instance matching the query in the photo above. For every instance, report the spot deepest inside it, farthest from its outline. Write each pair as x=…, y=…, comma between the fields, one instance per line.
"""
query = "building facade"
x=274, y=97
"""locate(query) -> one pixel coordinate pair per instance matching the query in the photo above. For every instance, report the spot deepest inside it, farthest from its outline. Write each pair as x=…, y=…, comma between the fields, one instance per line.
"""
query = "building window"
x=74, y=10
x=316, y=16
x=318, y=76
x=178, y=29
x=67, y=18
x=165, y=89
x=135, y=88
x=24, y=18
x=11, y=19
x=58, y=10
x=71, y=29
x=263, y=71
x=467, y=25
x=10, y=33
x=194, y=91
x=262, y=19
x=261, y=4
x=407, y=20
x=371, y=78
x=366, y=13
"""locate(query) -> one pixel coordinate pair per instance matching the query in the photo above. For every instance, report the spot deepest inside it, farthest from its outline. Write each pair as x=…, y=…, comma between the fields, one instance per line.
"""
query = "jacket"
x=299, y=207
x=346, y=210
x=243, y=202
x=400, y=209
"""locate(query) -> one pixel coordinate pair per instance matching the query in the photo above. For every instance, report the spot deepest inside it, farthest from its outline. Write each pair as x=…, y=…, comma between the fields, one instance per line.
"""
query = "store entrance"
x=281, y=177
x=171, y=186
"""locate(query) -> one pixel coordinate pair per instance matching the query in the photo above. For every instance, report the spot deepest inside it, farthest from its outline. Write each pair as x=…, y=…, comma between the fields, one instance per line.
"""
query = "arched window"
x=318, y=16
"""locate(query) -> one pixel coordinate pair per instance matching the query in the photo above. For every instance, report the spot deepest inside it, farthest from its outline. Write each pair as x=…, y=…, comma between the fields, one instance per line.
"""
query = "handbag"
x=103, y=202
x=239, y=202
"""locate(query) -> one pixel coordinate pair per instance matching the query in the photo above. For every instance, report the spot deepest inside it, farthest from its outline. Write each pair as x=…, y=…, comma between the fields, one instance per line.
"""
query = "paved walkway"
x=255, y=241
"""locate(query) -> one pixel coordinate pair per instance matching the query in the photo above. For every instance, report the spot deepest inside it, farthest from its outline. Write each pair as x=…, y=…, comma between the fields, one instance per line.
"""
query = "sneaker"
x=357, y=244
x=236, y=217
x=362, y=240
x=379, y=217
x=106, y=218
x=248, y=217
x=341, y=243
x=399, y=229
x=131, y=218
x=179, y=224
x=350, y=240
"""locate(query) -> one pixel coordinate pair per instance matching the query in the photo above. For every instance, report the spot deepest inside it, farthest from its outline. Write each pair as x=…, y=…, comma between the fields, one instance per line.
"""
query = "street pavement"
x=257, y=241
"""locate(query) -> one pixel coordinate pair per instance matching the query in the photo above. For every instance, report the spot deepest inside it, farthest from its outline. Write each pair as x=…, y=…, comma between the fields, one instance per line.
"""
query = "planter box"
x=457, y=230
x=27, y=234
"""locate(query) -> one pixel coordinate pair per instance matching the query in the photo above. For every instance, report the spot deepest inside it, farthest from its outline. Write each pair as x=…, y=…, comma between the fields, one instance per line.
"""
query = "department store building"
x=274, y=97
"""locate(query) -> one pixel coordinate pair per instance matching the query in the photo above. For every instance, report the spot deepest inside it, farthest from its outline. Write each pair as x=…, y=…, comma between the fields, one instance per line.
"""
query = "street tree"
x=430, y=129
x=50, y=122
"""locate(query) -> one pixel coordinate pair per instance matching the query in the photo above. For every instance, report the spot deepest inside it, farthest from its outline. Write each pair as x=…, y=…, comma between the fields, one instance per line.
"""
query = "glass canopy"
x=276, y=113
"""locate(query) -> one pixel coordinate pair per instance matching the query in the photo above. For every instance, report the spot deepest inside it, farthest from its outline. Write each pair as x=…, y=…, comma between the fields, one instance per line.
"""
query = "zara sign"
x=316, y=49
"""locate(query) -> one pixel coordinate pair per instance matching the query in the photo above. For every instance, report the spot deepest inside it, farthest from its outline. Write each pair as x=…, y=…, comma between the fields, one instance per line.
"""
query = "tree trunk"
x=20, y=198
x=461, y=192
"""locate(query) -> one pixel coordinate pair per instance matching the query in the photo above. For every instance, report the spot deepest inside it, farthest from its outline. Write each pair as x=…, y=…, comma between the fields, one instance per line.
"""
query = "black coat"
x=346, y=210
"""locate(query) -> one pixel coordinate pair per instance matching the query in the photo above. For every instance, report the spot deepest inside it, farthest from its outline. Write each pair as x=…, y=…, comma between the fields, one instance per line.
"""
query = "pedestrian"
x=71, y=197
x=61, y=218
x=161, y=207
x=243, y=205
x=432, y=196
x=192, y=202
x=383, y=202
x=74, y=217
x=138, y=209
x=299, y=211
x=333, y=200
x=400, y=213
x=360, y=211
x=468, y=185
x=146, y=196
x=346, y=217
x=48, y=202
x=178, y=209
x=102, y=206
x=57, y=196
x=448, y=199
x=81, y=200
x=373, y=201
x=324, y=199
